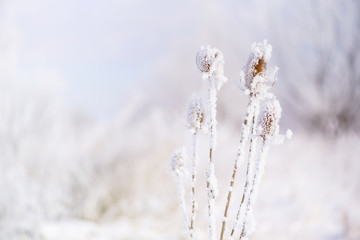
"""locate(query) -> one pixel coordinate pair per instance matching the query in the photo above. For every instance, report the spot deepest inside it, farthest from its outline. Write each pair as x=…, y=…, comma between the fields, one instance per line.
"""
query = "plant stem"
x=211, y=181
x=211, y=197
x=193, y=182
x=240, y=156
x=182, y=204
x=256, y=182
x=249, y=170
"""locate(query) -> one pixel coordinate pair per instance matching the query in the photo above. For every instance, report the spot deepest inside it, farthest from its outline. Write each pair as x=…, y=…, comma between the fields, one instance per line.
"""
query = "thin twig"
x=255, y=183
x=210, y=176
x=249, y=170
x=193, y=182
x=182, y=204
x=240, y=156
x=211, y=198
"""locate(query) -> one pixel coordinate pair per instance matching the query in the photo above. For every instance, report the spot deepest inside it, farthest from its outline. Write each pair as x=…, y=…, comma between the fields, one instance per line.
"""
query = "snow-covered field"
x=109, y=188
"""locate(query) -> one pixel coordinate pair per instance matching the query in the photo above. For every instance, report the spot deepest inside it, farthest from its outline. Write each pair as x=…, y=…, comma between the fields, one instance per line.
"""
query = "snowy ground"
x=310, y=191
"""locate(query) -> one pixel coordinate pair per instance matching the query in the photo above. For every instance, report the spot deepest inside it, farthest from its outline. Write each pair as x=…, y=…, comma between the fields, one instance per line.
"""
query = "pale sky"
x=98, y=49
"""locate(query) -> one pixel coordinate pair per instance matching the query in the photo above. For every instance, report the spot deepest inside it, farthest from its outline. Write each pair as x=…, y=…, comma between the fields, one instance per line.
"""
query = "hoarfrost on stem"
x=177, y=165
x=210, y=62
x=195, y=122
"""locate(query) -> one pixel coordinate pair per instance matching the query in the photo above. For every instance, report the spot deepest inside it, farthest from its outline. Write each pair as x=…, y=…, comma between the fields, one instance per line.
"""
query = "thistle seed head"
x=196, y=114
x=259, y=68
x=210, y=62
x=269, y=121
x=177, y=163
x=206, y=57
x=257, y=63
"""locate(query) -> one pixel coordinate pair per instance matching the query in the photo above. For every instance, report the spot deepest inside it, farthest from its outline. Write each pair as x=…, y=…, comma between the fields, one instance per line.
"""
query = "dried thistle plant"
x=255, y=84
x=196, y=123
x=177, y=167
x=211, y=62
x=260, y=129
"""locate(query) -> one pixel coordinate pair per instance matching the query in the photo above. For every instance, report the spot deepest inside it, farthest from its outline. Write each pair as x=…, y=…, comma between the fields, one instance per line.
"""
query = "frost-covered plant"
x=210, y=61
x=196, y=123
x=177, y=166
x=260, y=129
x=255, y=86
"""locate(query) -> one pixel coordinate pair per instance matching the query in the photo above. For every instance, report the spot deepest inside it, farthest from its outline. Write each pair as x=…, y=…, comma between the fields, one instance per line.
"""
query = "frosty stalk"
x=195, y=122
x=177, y=166
x=210, y=61
x=268, y=128
x=255, y=83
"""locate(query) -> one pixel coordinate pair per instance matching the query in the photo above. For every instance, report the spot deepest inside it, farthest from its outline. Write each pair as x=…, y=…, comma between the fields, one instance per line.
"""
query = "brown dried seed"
x=203, y=62
x=267, y=124
x=260, y=67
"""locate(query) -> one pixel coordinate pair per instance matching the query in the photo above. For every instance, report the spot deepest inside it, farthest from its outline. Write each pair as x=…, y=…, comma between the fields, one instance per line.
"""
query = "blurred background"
x=93, y=101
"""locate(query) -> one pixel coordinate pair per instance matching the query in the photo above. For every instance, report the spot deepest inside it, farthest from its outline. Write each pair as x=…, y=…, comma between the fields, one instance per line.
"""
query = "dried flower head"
x=177, y=163
x=195, y=114
x=204, y=58
x=257, y=63
x=210, y=62
x=259, y=68
x=270, y=118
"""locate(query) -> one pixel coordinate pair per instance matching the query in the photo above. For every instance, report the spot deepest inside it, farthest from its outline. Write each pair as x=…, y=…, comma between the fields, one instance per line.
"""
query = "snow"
x=299, y=195
x=72, y=229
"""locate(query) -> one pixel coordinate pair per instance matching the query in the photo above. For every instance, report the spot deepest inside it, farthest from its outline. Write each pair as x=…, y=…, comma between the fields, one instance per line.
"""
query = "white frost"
x=177, y=163
x=255, y=78
x=210, y=61
x=270, y=118
x=195, y=114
